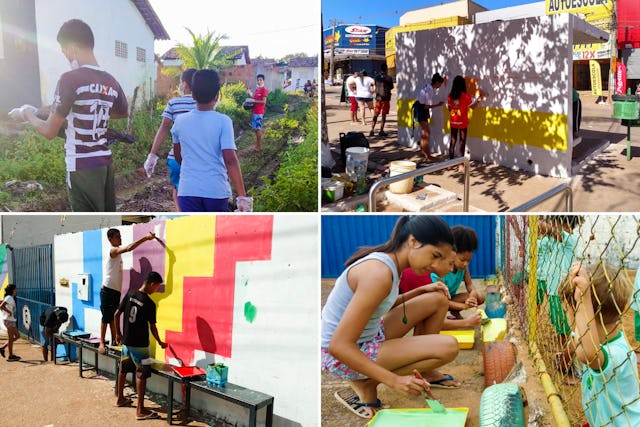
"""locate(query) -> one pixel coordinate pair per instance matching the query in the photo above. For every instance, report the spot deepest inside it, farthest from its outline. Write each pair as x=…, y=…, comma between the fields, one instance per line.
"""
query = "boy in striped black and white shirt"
x=87, y=97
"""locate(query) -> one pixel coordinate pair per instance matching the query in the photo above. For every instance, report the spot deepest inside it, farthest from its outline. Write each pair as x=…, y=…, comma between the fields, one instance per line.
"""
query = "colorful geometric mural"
x=197, y=257
x=239, y=289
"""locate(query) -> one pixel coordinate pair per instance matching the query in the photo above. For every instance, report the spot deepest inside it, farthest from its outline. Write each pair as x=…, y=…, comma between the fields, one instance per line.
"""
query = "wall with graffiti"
x=242, y=290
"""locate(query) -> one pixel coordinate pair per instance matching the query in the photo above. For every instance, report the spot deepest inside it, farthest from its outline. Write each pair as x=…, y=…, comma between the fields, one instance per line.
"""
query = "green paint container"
x=217, y=374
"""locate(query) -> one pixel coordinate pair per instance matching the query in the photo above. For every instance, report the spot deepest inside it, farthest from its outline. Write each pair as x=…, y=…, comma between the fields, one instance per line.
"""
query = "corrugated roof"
x=226, y=50
x=311, y=61
x=152, y=20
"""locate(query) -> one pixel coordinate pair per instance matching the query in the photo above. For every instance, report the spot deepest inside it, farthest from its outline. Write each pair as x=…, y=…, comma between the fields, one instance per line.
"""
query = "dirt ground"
x=36, y=394
x=467, y=368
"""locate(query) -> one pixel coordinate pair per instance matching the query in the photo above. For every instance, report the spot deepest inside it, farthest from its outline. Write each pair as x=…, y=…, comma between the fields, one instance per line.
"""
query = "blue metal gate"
x=32, y=273
x=343, y=234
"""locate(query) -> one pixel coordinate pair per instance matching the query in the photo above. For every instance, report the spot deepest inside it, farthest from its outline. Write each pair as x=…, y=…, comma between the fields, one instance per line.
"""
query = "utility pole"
x=332, y=55
x=613, y=39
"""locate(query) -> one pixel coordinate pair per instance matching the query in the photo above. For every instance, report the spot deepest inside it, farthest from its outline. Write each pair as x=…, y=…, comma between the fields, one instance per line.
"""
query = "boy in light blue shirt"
x=596, y=302
x=466, y=241
x=204, y=146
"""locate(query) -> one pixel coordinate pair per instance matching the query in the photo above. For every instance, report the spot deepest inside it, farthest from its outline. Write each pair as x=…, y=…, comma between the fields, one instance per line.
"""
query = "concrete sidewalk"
x=603, y=180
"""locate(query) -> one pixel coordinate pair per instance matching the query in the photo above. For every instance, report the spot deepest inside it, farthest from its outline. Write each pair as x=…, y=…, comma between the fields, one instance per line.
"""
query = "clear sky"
x=272, y=28
x=387, y=13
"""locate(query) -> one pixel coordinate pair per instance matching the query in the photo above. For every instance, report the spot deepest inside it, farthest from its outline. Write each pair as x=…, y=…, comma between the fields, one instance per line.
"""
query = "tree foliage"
x=206, y=52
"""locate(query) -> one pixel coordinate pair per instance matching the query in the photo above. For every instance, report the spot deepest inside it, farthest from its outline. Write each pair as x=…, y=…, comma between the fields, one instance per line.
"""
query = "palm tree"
x=206, y=52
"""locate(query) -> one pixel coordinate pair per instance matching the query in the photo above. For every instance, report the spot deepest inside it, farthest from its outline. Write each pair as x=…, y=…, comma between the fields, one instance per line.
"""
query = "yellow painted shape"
x=189, y=253
x=4, y=285
x=514, y=127
x=465, y=337
x=495, y=330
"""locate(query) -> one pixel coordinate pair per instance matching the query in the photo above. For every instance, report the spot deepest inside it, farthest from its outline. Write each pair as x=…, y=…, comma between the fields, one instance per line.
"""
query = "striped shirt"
x=175, y=107
x=86, y=97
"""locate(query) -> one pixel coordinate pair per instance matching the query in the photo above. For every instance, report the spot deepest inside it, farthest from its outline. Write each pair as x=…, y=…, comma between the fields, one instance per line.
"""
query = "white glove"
x=17, y=114
x=244, y=204
x=150, y=164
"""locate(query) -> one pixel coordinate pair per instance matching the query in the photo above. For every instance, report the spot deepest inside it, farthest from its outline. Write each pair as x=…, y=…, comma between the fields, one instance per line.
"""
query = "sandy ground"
x=467, y=367
x=36, y=394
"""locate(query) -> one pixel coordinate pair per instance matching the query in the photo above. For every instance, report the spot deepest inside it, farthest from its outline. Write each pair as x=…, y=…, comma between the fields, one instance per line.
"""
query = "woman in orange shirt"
x=459, y=103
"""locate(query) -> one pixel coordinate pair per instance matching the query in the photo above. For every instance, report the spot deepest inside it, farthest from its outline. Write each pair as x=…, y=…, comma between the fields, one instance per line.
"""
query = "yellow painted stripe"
x=190, y=248
x=514, y=127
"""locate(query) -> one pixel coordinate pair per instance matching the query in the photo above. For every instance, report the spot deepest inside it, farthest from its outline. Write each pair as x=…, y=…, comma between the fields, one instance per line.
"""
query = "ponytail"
x=427, y=229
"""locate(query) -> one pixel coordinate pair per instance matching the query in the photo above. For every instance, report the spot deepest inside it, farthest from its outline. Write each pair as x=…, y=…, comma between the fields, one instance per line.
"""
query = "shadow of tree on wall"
x=523, y=68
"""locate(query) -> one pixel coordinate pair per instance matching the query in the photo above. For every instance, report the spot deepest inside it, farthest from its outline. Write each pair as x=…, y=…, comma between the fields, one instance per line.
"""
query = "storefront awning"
x=585, y=33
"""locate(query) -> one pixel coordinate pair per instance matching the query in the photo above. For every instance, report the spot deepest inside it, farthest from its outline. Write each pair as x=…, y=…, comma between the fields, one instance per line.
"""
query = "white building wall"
x=119, y=20
x=304, y=74
x=528, y=10
x=522, y=66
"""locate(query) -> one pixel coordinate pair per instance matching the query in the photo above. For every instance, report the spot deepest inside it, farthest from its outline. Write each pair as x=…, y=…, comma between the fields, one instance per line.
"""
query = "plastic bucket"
x=357, y=160
x=398, y=167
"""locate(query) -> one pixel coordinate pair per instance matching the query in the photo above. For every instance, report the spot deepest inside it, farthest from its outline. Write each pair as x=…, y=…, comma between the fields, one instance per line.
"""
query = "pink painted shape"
x=148, y=257
x=207, y=316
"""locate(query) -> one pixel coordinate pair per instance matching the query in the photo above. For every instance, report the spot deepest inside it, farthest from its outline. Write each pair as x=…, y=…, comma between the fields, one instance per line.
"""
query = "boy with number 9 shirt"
x=139, y=317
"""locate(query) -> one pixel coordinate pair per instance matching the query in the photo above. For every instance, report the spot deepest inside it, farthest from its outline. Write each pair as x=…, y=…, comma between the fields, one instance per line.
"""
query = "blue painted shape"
x=92, y=264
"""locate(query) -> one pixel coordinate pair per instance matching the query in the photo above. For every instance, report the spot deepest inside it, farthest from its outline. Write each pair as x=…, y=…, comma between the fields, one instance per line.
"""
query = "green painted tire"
x=501, y=406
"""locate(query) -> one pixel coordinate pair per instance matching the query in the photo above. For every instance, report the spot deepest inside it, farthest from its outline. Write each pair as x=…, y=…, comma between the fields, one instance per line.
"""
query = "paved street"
x=606, y=183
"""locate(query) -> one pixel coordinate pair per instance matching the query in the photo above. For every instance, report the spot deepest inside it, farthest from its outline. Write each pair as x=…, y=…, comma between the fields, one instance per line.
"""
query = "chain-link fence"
x=596, y=324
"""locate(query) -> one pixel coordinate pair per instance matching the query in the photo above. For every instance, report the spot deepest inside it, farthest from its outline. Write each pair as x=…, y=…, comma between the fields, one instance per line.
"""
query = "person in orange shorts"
x=383, y=87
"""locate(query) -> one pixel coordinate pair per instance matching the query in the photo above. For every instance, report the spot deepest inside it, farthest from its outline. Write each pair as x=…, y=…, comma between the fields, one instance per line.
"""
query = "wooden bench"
x=165, y=371
x=242, y=396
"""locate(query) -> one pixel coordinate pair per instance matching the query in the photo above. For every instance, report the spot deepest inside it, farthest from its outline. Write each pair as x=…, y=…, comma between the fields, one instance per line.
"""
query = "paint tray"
x=77, y=334
x=465, y=337
x=188, y=371
x=93, y=342
x=454, y=417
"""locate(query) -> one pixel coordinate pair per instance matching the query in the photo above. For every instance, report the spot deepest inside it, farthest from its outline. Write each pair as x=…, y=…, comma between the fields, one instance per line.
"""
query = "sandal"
x=439, y=383
x=150, y=416
x=351, y=400
x=125, y=402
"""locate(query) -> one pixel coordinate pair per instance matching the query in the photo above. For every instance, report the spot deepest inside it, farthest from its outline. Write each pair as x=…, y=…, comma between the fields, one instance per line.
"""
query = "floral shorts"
x=369, y=348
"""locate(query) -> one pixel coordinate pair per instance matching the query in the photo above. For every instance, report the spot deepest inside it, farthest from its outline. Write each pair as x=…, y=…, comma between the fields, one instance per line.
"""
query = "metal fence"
x=32, y=273
x=567, y=329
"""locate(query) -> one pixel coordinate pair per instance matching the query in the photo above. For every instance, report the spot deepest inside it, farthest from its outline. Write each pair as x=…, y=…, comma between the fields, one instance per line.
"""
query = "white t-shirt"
x=10, y=304
x=112, y=272
x=364, y=87
x=350, y=80
x=426, y=95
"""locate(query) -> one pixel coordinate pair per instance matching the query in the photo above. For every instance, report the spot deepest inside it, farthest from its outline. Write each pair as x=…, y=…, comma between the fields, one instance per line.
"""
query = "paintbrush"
x=432, y=401
x=175, y=356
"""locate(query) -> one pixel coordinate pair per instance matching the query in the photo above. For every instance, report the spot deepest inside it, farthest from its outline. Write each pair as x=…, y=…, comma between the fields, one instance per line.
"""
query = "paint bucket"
x=356, y=163
x=217, y=374
x=332, y=191
x=496, y=310
x=398, y=167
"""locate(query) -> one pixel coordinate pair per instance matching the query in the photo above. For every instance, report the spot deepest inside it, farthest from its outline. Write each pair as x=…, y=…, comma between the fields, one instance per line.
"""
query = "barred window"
x=141, y=54
x=122, y=50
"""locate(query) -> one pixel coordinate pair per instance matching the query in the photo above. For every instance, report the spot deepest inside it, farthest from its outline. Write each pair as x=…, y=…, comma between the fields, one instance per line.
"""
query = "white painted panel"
x=68, y=258
x=120, y=20
x=285, y=291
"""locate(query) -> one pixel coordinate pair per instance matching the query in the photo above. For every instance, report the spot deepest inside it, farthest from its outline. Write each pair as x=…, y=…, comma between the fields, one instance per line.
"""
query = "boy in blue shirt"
x=204, y=147
x=610, y=390
x=176, y=106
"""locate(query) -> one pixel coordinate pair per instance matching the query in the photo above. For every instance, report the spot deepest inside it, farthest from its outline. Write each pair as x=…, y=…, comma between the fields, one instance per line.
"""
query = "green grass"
x=30, y=156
